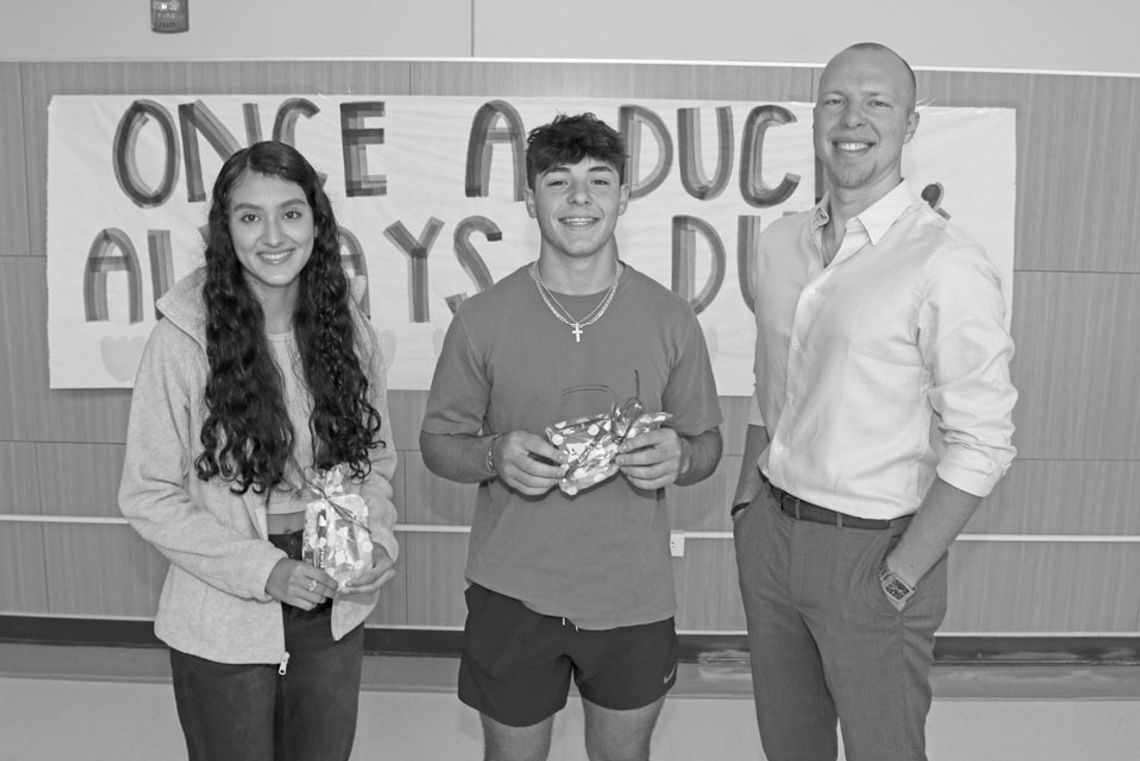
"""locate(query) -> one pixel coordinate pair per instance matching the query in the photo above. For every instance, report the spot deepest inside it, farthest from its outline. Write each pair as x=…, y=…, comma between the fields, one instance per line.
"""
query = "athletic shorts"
x=516, y=664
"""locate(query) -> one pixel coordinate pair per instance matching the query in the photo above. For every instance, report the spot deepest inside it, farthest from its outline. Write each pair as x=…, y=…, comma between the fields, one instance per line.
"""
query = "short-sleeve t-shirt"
x=599, y=558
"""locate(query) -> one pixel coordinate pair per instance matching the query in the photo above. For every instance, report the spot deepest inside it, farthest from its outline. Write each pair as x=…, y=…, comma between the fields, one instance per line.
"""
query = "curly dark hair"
x=247, y=435
x=568, y=140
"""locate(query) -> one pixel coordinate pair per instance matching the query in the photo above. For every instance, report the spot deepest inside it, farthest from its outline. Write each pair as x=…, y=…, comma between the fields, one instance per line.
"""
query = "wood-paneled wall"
x=1055, y=550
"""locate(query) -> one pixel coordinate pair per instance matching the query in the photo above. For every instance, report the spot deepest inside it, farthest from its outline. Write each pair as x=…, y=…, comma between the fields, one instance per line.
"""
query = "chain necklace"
x=563, y=314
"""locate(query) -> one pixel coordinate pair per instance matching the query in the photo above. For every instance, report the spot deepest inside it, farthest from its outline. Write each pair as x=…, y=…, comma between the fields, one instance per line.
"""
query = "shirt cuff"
x=264, y=568
x=971, y=471
x=386, y=538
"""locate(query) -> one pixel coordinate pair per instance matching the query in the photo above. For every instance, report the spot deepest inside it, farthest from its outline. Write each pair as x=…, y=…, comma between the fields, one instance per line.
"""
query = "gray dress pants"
x=827, y=646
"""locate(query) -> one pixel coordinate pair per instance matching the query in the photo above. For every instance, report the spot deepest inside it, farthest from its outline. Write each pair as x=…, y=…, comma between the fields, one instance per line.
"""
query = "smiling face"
x=863, y=117
x=577, y=207
x=271, y=226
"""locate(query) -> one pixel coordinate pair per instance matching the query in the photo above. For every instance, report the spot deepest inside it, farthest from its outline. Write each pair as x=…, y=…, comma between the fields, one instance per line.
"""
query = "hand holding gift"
x=337, y=537
x=591, y=444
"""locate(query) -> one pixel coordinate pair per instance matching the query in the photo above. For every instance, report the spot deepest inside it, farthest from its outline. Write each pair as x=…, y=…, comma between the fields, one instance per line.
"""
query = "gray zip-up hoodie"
x=213, y=602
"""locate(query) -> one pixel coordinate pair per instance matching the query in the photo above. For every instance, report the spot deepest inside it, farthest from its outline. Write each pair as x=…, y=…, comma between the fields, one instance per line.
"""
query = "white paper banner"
x=427, y=193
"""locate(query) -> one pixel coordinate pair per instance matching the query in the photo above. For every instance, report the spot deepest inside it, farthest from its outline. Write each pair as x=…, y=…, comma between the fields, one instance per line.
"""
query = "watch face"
x=898, y=590
x=894, y=587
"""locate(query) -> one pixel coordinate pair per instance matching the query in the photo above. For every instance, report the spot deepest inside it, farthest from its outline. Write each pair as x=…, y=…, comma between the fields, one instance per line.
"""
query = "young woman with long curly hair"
x=262, y=372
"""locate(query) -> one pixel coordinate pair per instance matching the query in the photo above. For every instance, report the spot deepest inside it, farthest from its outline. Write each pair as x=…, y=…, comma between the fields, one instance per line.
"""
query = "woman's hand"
x=382, y=570
x=299, y=584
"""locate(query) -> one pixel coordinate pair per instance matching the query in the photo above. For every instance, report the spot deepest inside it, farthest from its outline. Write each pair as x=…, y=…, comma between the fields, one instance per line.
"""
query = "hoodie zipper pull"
x=281, y=669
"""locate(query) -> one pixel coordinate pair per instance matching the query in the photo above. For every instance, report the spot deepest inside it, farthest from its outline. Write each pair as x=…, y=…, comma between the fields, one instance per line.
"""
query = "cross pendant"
x=577, y=331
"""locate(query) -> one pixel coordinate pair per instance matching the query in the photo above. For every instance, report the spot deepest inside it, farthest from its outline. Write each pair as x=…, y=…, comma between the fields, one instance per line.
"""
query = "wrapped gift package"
x=591, y=443
x=336, y=538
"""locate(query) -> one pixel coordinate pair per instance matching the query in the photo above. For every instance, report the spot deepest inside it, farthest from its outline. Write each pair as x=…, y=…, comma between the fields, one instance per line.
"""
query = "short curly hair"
x=568, y=140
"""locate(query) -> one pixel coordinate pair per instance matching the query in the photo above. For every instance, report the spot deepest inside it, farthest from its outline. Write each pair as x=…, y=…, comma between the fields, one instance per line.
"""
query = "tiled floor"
x=409, y=711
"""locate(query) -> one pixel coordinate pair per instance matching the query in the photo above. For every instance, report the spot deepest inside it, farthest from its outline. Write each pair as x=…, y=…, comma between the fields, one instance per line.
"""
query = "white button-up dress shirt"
x=886, y=367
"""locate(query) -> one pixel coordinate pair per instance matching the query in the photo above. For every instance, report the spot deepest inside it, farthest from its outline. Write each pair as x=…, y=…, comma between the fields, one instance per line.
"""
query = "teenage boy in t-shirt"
x=565, y=585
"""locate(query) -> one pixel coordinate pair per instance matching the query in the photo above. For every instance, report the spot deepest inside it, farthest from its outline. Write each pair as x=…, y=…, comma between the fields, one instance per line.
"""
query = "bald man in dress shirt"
x=881, y=418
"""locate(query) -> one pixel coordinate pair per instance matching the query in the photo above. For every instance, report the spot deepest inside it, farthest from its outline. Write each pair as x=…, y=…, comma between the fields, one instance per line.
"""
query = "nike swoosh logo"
x=669, y=676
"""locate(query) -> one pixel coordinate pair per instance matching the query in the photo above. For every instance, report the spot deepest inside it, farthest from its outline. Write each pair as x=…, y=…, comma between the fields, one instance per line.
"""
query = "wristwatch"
x=896, y=590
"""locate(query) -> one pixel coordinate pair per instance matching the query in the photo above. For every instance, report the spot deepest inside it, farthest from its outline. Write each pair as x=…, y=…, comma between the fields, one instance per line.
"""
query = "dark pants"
x=825, y=643
x=250, y=712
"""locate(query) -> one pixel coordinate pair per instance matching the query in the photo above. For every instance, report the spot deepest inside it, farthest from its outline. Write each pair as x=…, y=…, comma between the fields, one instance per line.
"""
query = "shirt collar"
x=877, y=218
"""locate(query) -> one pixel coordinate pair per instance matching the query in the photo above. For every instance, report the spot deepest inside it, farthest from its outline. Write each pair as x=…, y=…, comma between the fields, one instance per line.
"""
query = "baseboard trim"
x=957, y=650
